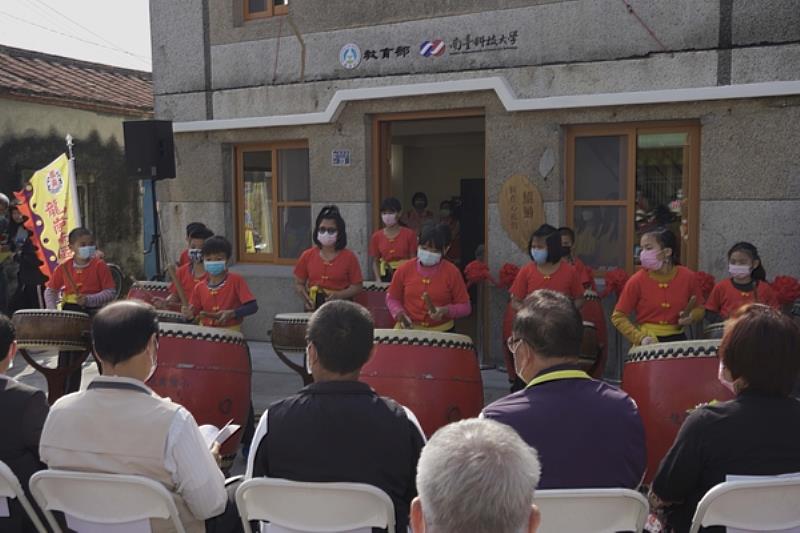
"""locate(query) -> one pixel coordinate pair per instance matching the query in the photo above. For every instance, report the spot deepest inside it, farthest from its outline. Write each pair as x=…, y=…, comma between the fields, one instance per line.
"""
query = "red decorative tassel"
x=615, y=282
x=706, y=282
x=508, y=273
x=786, y=288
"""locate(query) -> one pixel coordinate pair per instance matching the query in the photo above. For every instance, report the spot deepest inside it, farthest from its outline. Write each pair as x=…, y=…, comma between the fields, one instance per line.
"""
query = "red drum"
x=668, y=380
x=148, y=290
x=590, y=349
x=434, y=374
x=207, y=370
x=592, y=312
x=289, y=335
x=373, y=297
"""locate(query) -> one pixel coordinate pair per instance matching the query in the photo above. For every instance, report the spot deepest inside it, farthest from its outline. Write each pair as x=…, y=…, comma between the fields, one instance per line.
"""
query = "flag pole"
x=73, y=183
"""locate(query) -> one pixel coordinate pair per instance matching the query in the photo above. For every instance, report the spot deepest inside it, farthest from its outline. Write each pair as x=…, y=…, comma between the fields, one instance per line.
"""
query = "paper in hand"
x=213, y=435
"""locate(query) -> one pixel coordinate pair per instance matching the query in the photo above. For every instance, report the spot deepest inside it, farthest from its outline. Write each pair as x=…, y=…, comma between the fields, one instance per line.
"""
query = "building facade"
x=619, y=115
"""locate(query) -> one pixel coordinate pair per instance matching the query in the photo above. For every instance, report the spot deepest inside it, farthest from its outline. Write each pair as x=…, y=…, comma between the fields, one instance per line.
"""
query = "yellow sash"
x=558, y=374
x=441, y=327
x=383, y=265
x=660, y=330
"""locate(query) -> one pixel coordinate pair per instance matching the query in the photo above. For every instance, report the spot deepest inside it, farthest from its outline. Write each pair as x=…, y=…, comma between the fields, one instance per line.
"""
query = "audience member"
x=338, y=428
x=23, y=410
x=588, y=433
x=755, y=434
x=118, y=425
x=477, y=476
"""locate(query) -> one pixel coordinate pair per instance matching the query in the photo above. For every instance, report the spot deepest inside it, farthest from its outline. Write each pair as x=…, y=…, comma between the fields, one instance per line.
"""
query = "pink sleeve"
x=459, y=310
x=394, y=305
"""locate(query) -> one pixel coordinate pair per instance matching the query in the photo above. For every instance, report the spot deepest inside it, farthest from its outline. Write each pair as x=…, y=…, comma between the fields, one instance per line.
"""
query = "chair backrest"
x=10, y=488
x=102, y=498
x=596, y=510
x=763, y=504
x=314, y=507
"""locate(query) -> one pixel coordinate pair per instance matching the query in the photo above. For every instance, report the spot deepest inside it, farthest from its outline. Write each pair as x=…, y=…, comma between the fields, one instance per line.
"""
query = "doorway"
x=443, y=156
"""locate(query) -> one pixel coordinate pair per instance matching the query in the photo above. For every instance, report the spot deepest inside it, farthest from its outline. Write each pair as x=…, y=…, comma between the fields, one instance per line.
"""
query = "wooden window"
x=273, y=207
x=257, y=9
x=624, y=179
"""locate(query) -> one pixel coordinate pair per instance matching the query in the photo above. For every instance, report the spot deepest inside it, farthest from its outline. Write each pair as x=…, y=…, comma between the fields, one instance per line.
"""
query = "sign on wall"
x=521, y=209
x=340, y=158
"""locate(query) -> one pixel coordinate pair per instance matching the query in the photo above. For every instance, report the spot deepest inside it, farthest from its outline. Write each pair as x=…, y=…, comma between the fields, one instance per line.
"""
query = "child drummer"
x=188, y=276
x=223, y=300
x=85, y=285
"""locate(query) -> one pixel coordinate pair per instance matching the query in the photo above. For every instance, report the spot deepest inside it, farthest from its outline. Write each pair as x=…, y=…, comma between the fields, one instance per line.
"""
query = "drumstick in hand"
x=429, y=303
x=70, y=281
x=173, y=276
x=687, y=311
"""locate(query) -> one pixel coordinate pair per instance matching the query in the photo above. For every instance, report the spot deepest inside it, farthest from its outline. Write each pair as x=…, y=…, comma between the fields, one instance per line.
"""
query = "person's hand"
x=187, y=312
x=649, y=340
x=439, y=314
x=215, y=453
x=685, y=319
x=333, y=295
x=308, y=304
x=158, y=302
x=224, y=317
x=99, y=254
x=404, y=320
x=81, y=300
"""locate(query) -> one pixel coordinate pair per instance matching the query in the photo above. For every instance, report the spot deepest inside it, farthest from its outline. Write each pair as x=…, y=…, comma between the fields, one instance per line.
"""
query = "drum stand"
x=301, y=370
x=56, y=377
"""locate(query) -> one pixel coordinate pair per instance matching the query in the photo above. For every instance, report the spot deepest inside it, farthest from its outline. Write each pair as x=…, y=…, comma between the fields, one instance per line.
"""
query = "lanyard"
x=558, y=374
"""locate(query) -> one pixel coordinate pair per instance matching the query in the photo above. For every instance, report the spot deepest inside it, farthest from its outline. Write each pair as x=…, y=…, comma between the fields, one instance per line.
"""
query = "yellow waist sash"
x=384, y=265
x=660, y=330
x=447, y=326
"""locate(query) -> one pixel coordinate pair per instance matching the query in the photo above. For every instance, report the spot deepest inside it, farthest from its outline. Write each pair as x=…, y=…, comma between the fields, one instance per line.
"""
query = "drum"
x=49, y=329
x=667, y=381
x=148, y=290
x=714, y=331
x=593, y=312
x=373, y=297
x=590, y=349
x=207, y=370
x=289, y=335
x=170, y=316
x=434, y=374
x=46, y=329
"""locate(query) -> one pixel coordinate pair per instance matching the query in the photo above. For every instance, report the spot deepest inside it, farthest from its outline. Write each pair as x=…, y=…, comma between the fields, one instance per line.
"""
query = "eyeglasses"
x=512, y=344
x=329, y=231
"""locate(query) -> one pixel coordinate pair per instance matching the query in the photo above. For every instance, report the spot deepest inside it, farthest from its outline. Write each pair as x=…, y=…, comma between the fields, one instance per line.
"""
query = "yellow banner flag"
x=48, y=202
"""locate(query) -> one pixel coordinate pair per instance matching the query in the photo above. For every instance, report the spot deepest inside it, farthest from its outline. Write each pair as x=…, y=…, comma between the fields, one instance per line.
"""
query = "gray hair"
x=477, y=475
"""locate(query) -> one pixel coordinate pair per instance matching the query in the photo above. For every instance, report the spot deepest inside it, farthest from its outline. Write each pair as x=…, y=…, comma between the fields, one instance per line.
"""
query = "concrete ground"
x=272, y=380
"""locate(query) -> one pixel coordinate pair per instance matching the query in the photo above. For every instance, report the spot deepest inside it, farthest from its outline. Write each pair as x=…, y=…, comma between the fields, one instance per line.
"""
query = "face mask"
x=739, y=270
x=326, y=239
x=721, y=377
x=195, y=255
x=153, y=365
x=444, y=212
x=215, y=268
x=539, y=256
x=650, y=260
x=308, y=362
x=390, y=219
x=427, y=258
x=86, y=252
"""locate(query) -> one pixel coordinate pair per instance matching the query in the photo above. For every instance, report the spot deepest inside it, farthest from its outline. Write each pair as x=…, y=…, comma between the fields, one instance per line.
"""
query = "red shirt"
x=403, y=246
x=445, y=286
x=659, y=302
x=91, y=279
x=187, y=280
x=564, y=280
x=334, y=275
x=231, y=294
x=184, y=258
x=725, y=298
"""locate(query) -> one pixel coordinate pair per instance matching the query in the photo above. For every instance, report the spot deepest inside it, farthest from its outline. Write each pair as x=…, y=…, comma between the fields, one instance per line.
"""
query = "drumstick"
x=690, y=306
x=429, y=303
x=173, y=276
x=70, y=281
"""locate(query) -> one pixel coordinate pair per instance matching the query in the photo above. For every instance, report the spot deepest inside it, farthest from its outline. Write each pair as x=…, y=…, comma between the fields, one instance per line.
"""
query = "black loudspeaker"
x=149, y=149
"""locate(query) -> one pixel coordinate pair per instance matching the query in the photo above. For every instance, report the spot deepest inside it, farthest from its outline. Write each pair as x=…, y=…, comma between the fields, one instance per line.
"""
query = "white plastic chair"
x=314, y=507
x=10, y=488
x=764, y=504
x=591, y=510
x=102, y=498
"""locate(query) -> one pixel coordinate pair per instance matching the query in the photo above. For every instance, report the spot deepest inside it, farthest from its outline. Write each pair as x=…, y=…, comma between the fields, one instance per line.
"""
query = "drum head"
x=293, y=318
x=418, y=337
x=375, y=286
x=666, y=350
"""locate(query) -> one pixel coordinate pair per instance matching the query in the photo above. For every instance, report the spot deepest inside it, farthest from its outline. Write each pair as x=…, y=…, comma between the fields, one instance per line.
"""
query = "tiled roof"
x=73, y=83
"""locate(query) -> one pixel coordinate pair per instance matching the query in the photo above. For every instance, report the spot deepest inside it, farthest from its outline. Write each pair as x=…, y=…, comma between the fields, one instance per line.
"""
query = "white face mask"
x=308, y=362
x=723, y=378
x=427, y=258
x=739, y=271
x=326, y=239
x=389, y=219
x=154, y=365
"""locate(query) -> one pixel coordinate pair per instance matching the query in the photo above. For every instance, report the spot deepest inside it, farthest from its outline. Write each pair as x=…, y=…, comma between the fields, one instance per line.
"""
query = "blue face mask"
x=215, y=268
x=539, y=256
x=86, y=252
